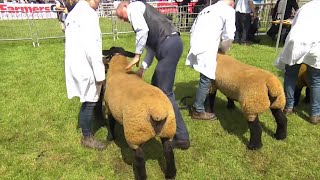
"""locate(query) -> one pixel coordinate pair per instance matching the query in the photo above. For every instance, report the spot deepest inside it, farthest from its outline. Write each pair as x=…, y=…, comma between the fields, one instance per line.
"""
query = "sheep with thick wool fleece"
x=302, y=81
x=144, y=111
x=255, y=89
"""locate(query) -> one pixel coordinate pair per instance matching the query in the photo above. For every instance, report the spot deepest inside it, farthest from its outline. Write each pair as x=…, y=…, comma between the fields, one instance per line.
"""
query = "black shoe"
x=256, y=41
x=245, y=43
x=272, y=36
x=91, y=142
x=183, y=144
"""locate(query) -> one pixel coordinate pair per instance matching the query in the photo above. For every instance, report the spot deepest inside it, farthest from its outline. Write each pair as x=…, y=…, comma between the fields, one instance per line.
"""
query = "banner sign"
x=15, y=11
x=10, y=11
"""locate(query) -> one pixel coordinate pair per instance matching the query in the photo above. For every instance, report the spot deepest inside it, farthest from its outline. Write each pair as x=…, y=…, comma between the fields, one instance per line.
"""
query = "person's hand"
x=220, y=51
x=99, y=82
x=135, y=61
x=254, y=17
x=140, y=72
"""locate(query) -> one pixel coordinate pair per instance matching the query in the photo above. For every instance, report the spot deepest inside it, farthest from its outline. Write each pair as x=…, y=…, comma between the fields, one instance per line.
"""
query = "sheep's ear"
x=106, y=53
x=129, y=54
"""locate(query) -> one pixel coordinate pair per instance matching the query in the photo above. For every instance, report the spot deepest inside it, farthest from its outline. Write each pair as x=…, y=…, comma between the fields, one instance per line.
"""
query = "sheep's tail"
x=163, y=120
x=276, y=93
x=158, y=117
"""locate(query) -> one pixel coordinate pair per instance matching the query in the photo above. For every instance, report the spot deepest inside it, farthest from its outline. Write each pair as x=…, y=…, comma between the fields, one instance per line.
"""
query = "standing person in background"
x=212, y=30
x=62, y=12
x=84, y=69
x=162, y=40
x=276, y=15
x=70, y=4
x=183, y=11
x=303, y=46
x=244, y=8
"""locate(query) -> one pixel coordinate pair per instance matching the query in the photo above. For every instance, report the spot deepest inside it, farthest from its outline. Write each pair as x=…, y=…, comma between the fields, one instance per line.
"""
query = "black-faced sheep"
x=256, y=90
x=144, y=111
x=302, y=82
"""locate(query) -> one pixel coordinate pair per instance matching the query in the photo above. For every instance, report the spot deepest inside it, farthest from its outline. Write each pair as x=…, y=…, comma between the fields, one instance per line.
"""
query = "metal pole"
x=281, y=23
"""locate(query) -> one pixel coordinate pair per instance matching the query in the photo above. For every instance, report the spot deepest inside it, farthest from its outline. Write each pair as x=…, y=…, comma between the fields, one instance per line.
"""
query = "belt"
x=173, y=34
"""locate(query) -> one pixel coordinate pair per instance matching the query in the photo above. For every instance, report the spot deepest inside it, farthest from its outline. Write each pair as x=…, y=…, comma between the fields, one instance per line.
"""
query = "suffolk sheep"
x=256, y=90
x=144, y=111
x=302, y=82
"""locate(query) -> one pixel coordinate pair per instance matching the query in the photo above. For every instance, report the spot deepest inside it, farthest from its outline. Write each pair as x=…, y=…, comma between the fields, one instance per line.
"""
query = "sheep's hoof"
x=254, y=146
x=110, y=137
x=231, y=106
x=280, y=136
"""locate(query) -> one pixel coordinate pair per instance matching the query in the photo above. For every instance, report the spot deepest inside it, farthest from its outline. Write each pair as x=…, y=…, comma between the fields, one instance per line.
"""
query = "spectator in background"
x=212, y=30
x=62, y=12
x=303, y=46
x=70, y=4
x=244, y=8
x=276, y=15
x=183, y=11
x=200, y=5
x=84, y=69
x=253, y=29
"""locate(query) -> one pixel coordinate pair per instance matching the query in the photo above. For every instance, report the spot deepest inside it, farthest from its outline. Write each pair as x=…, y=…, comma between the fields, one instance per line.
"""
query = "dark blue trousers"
x=86, y=116
x=168, y=55
x=243, y=21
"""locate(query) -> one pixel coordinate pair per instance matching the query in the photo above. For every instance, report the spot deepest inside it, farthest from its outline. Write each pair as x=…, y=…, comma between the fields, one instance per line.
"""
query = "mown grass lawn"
x=39, y=138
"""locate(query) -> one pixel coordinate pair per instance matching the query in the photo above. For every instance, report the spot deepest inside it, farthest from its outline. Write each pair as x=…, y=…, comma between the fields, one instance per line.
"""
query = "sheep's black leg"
x=297, y=94
x=281, y=119
x=112, y=123
x=169, y=156
x=307, y=98
x=209, y=102
x=139, y=164
x=255, y=134
x=230, y=104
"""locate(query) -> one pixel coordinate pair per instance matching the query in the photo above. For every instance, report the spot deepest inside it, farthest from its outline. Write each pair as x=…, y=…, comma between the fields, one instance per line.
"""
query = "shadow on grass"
x=267, y=41
x=152, y=149
x=302, y=109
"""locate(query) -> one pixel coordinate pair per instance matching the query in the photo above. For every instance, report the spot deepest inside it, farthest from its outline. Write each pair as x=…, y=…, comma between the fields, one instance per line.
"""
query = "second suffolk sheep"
x=144, y=111
x=256, y=90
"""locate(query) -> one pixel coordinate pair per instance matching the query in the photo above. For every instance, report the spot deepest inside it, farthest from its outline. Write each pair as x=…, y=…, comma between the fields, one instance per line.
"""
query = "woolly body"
x=137, y=105
x=248, y=85
x=303, y=77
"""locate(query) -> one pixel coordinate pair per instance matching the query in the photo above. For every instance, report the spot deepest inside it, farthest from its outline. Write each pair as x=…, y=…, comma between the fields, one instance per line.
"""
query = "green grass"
x=39, y=138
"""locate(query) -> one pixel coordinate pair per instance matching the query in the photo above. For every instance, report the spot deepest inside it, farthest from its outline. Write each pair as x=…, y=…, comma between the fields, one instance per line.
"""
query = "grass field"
x=39, y=138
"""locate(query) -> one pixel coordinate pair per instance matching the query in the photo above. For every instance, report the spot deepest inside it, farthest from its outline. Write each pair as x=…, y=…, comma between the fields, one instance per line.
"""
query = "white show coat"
x=213, y=24
x=83, y=53
x=303, y=42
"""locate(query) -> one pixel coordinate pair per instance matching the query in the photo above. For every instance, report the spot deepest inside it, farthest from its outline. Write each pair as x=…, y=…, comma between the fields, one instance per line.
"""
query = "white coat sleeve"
x=229, y=27
x=93, y=46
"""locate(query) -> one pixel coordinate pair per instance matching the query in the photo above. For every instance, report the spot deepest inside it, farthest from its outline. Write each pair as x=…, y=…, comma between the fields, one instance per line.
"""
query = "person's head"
x=122, y=11
x=229, y=2
x=71, y=2
x=94, y=4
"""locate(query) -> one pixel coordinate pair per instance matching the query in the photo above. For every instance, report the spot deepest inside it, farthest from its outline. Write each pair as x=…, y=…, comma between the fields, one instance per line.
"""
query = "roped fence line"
x=37, y=26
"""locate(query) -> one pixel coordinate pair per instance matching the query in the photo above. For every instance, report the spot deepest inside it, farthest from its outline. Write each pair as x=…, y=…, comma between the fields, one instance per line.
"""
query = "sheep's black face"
x=108, y=54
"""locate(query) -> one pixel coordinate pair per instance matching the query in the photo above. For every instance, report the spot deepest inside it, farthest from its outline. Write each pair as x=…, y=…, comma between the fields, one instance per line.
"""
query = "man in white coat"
x=303, y=46
x=84, y=69
x=213, y=29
